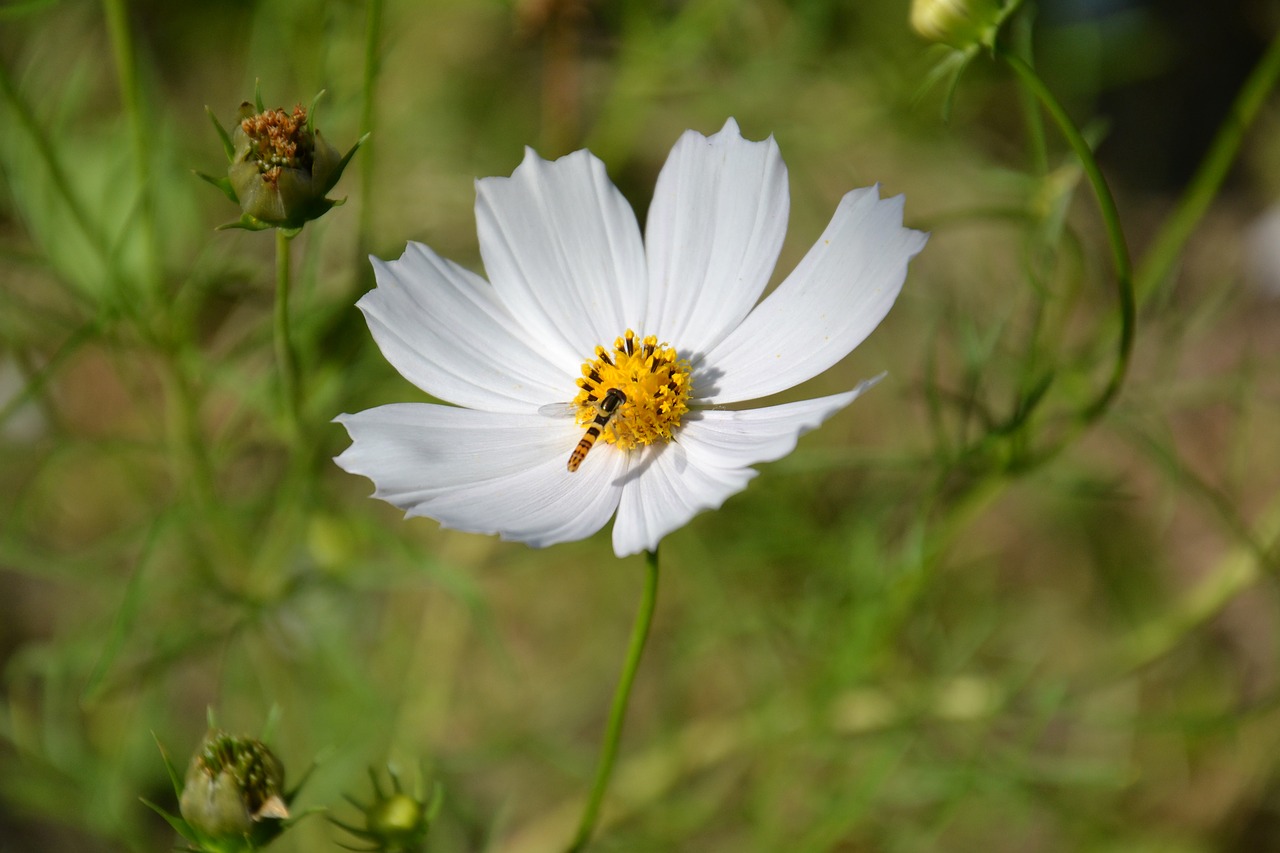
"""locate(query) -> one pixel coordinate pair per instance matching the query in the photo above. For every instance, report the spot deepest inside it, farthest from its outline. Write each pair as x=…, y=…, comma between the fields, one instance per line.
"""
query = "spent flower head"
x=280, y=168
x=232, y=796
x=589, y=375
x=231, y=784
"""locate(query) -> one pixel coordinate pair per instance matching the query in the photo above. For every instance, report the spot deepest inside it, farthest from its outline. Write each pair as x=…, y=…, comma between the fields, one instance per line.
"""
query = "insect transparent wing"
x=558, y=410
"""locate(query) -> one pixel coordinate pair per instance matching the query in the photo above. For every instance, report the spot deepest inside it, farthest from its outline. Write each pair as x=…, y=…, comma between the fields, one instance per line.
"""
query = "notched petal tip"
x=895, y=206
x=730, y=128
x=831, y=301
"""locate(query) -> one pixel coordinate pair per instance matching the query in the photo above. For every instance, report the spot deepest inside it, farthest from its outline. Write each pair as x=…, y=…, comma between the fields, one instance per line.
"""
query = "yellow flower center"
x=650, y=391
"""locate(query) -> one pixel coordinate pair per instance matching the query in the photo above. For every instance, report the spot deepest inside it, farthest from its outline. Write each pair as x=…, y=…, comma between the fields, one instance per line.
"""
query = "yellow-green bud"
x=399, y=820
x=396, y=821
x=232, y=784
x=962, y=24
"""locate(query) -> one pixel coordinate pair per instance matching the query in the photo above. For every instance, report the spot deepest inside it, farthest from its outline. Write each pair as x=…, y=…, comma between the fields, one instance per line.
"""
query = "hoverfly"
x=613, y=398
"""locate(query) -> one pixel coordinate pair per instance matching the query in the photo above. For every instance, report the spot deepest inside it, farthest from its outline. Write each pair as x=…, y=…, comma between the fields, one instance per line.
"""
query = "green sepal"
x=378, y=793
x=274, y=714
x=361, y=833
x=950, y=98
x=222, y=134
x=435, y=804
x=223, y=183
x=949, y=68
x=311, y=111
x=296, y=789
x=179, y=825
x=246, y=223
x=175, y=778
x=346, y=158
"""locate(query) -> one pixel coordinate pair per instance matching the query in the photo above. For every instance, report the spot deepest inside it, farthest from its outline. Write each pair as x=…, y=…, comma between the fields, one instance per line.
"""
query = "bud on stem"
x=281, y=167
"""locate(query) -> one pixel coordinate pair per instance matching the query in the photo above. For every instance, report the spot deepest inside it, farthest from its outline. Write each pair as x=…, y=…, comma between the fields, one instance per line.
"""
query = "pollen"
x=653, y=382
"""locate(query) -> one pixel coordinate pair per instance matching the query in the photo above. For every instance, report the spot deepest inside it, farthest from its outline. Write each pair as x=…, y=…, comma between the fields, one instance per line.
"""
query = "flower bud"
x=281, y=167
x=398, y=820
x=395, y=822
x=962, y=24
x=233, y=785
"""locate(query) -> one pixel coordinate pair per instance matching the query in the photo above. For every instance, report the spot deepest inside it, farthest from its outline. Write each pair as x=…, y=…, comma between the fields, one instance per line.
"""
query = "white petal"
x=664, y=489
x=714, y=231
x=483, y=472
x=708, y=463
x=730, y=439
x=563, y=250
x=447, y=332
x=836, y=296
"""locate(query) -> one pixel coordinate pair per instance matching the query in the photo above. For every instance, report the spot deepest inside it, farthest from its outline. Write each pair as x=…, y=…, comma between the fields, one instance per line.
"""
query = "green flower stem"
x=1036, y=143
x=141, y=134
x=609, y=748
x=1110, y=220
x=1164, y=250
x=286, y=364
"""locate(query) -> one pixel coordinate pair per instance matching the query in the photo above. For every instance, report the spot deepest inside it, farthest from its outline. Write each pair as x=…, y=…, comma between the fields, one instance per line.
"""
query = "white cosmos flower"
x=542, y=353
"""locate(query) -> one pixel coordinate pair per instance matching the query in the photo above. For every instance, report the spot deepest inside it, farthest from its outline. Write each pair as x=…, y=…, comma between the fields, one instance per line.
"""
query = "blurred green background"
x=952, y=620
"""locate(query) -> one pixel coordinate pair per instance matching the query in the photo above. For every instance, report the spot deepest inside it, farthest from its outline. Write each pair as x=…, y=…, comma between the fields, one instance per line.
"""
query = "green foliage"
x=1020, y=597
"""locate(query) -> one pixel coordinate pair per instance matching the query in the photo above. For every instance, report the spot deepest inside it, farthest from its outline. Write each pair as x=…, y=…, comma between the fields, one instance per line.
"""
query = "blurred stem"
x=1240, y=569
x=1040, y=254
x=35, y=379
x=1111, y=221
x=562, y=76
x=191, y=465
x=1167, y=246
x=609, y=748
x=1039, y=149
x=141, y=133
x=943, y=515
x=285, y=361
x=372, y=34
x=192, y=469
x=57, y=174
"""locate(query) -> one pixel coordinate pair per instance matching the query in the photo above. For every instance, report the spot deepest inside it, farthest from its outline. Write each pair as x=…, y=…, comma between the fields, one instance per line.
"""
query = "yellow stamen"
x=652, y=381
